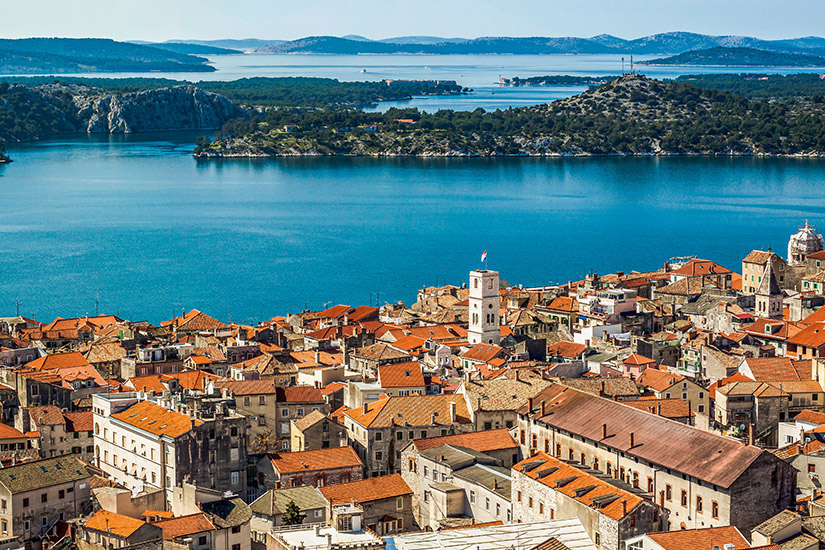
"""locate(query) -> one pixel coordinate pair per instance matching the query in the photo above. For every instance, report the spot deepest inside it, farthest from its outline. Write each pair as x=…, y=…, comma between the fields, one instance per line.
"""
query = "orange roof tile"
x=691, y=539
x=319, y=459
x=184, y=525
x=483, y=352
x=566, y=349
x=10, y=432
x=401, y=375
x=636, y=359
x=367, y=490
x=155, y=419
x=564, y=303
x=697, y=267
x=668, y=408
x=810, y=337
x=58, y=361
x=412, y=410
x=812, y=417
x=659, y=380
x=79, y=421
x=116, y=524
x=483, y=441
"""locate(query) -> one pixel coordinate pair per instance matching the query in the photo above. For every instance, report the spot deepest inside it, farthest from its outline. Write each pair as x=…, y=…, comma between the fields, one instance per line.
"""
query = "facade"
x=544, y=487
x=702, y=479
x=493, y=403
x=484, y=308
x=666, y=385
x=269, y=508
x=106, y=530
x=140, y=442
x=386, y=502
x=35, y=495
x=769, y=295
x=60, y=433
x=802, y=243
x=379, y=431
x=753, y=268
x=316, y=430
x=317, y=468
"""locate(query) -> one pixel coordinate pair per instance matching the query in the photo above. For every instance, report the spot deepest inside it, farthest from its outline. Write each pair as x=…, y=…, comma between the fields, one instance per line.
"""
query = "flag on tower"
x=484, y=256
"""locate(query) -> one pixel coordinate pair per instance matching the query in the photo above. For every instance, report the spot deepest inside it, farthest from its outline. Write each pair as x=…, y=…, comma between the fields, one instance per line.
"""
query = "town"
x=669, y=409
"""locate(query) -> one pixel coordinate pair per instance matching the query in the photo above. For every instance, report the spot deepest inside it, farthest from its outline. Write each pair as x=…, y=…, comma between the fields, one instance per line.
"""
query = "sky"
x=158, y=20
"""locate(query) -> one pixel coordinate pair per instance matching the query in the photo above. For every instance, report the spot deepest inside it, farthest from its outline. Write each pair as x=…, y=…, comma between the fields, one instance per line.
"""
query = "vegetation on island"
x=558, y=80
x=631, y=115
x=740, y=57
x=4, y=158
x=762, y=85
x=80, y=55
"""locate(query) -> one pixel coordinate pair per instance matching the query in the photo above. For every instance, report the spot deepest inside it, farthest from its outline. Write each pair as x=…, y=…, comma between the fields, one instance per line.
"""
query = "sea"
x=135, y=226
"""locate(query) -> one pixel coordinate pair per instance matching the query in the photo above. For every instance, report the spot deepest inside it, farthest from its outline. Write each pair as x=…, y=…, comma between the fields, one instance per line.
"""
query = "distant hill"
x=194, y=49
x=662, y=43
x=242, y=44
x=63, y=55
x=740, y=57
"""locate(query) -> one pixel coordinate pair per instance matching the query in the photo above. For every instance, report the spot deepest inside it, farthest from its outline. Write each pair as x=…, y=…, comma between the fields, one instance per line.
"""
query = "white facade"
x=803, y=242
x=485, y=305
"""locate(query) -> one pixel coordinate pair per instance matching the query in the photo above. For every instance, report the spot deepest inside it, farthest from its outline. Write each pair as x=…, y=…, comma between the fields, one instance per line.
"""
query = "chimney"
x=624, y=505
x=317, y=357
x=659, y=409
x=543, y=410
x=432, y=419
x=530, y=404
x=632, y=440
x=442, y=458
x=750, y=434
x=452, y=412
x=495, y=484
x=604, y=431
x=366, y=407
x=191, y=423
x=601, y=389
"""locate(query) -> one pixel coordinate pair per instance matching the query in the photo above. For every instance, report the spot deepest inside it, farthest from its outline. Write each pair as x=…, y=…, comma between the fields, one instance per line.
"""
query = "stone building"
x=268, y=510
x=666, y=385
x=60, y=432
x=702, y=479
x=753, y=268
x=317, y=468
x=802, y=243
x=160, y=444
x=35, y=495
x=386, y=502
x=106, y=530
x=544, y=487
x=316, y=430
x=379, y=431
x=493, y=403
x=484, y=308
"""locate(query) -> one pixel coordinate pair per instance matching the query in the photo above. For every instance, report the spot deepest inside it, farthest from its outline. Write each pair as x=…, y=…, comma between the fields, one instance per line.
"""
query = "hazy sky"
x=205, y=19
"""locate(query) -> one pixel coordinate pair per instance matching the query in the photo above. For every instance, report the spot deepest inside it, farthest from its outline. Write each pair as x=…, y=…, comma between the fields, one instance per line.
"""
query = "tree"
x=264, y=442
x=292, y=514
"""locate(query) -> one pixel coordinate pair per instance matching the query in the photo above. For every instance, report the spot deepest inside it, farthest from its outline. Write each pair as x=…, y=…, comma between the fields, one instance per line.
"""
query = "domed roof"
x=803, y=242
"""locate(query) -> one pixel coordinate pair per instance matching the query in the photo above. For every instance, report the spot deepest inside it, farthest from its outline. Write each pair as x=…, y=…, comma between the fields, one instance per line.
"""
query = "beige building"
x=667, y=385
x=702, y=479
x=316, y=430
x=61, y=433
x=105, y=530
x=35, y=495
x=379, y=431
x=753, y=268
x=493, y=403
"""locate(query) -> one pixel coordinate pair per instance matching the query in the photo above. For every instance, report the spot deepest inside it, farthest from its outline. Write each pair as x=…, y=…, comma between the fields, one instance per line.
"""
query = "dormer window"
x=767, y=329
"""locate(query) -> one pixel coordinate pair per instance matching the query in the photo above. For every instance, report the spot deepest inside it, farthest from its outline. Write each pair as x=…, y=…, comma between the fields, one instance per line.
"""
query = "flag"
x=484, y=256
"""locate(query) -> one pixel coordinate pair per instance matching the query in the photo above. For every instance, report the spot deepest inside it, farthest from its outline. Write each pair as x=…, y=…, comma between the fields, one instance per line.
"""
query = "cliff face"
x=168, y=109
x=28, y=113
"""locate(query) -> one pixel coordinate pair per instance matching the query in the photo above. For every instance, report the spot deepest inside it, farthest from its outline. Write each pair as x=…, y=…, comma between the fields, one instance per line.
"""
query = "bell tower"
x=485, y=304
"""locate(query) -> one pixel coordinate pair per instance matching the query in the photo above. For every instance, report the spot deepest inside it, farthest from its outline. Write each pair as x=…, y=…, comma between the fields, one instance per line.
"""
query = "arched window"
x=97, y=428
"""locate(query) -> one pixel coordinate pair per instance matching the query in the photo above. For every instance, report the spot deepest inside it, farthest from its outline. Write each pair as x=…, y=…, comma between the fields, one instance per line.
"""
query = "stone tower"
x=485, y=302
x=803, y=242
x=769, y=294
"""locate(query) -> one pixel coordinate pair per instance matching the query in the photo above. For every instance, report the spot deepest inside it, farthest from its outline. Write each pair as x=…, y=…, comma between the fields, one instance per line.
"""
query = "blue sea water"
x=150, y=230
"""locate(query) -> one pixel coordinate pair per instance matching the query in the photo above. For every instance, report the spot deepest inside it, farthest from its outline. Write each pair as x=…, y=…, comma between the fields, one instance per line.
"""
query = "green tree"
x=292, y=514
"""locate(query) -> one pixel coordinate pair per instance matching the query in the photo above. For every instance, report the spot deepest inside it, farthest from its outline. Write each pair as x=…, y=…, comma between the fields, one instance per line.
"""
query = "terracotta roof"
x=319, y=459
x=116, y=524
x=483, y=352
x=780, y=369
x=334, y=312
x=362, y=312
x=637, y=359
x=412, y=410
x=792, y=450
x=564, y=303
x=264, y=386
x=581, y=486
x=566, y=349
x=80, y=421
x=735, y=377
x=483, y=441
x=693, y=539
x=155, y=419
x=367, y=490
x=759, y=257
x=758, y=389
x=332, y=387
x=697, y=267
x=401, y=375
x=709, y=457
x=339, y=413
x=659, y=380
x=668, y=408
x=59, y=361
x=380, y=352
x=184, y=525
x=409, y=343
x=618, y=386
x=46, y=415
x=200, y=359
x=820, y=255
x=10, y=432
x=810, y=337
x=812, y=417
x=299, y=394
x=195, y=321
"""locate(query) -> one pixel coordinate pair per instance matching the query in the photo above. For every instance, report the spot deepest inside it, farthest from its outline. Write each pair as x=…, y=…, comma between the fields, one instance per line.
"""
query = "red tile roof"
x=810, y=337
x=483, y=441
x=401, y=375
x=155, y=419
x=80, y=421
x=116, y=524
x=412, y=410
x=367, y=490
x=697, y=267
x=659, y=380
x=483, y=352
x=10, y=432
x=564, y=303
x=812, y=417
x=570, y=350
x=59, y=361
x=694, y=539
x=636, y=359
x=319, y=459
x=184, y=525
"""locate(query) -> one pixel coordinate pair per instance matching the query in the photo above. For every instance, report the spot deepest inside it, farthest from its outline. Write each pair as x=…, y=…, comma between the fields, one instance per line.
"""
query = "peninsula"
x=631, y=115
x=740, y=57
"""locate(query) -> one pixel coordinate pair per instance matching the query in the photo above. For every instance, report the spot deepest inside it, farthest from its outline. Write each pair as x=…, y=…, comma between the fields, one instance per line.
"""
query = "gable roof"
x=412, y=410
x=659, y=380
x=592, y=491
x=697, y=267
x=38, y=474
x=811, y=417
x=116, y=524
x=184, y=525
x=275, y=501
x=570, y=350
x=483, y=352
x=318, y=459
x=157, y=420
x=502, y=394
x=483, y=441
x=195, y=321
x=779, y=369
x=810, y=337
x=668, y=408
x=692, y=539
x=703, y=455
x=310, y=419
x=637, y=359
x=401, y=375
x=59, y=361
x=367, y=490
x=46, y=415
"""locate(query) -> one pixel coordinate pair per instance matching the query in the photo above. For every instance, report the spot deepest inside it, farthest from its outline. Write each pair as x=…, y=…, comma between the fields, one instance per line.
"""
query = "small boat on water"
x=363, y=70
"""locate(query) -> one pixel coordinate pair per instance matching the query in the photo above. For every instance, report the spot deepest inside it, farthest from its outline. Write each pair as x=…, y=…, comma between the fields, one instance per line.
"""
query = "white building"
x=485, y=305
x=803, y=242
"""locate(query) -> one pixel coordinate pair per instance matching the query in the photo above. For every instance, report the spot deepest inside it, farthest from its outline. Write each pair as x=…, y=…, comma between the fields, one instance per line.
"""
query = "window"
x=379, y=436
x=714, y=509
x=684, y=498
x=5, y=526
x=247, y=400
x=498, y=509
x=519, y=496
x=472, y=497
x=61, y=494
x=486, y=503
x=632, y=521
x=426, y=471
x=558, y=449
x=284, y=412
x=701, y=395
x=379, y=456
x=44, y=498
x=423, y=434
x=399, y=503
x=668, y=492
x=701, y=408
x=521, y=436
x=698, y=504
x=25, y=503
x=609, y=469
x=236, y=529
x=27, y=526
x=235, y=478
x=299, y=411
x=650, y=485
x=597, y=539
x=570, y=454
x=811, y=470
x=202, y=540
x=541, y=507
x=530, y=502
x=399, y=436
x=411, y=435
x=261, y=400
x=236, y=546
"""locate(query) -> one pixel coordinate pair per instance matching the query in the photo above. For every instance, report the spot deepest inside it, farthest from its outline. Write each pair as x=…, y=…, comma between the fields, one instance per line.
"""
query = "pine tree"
x=292, y=514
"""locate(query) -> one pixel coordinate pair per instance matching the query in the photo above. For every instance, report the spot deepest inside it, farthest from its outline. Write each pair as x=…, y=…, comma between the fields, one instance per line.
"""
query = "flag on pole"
x=484, y=256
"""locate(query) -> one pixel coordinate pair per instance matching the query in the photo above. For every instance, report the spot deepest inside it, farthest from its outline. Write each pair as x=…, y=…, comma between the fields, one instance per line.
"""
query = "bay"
x=141, y=223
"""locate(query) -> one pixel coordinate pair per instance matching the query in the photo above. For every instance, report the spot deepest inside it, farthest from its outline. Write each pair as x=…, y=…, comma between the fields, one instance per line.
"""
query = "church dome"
x=803, y=242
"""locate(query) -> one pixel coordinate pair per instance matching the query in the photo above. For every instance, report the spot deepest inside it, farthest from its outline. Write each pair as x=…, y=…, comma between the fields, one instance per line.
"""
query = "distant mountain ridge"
x=740, y=57
x=662, y=43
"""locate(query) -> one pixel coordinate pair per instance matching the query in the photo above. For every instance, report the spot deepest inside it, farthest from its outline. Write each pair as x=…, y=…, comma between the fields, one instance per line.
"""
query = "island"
x=630, y=115
x=4, y=158
x=739, y=57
